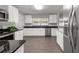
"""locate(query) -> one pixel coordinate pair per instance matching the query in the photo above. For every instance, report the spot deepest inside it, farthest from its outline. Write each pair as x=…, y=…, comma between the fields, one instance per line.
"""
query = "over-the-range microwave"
x=3, y=16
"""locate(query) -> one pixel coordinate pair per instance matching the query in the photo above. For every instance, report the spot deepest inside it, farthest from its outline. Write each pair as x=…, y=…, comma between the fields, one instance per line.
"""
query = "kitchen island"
x=12, y=46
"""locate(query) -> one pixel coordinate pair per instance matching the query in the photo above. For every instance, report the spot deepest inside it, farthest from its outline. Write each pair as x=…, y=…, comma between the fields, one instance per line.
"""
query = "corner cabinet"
x=18, y=35
x=34, y=32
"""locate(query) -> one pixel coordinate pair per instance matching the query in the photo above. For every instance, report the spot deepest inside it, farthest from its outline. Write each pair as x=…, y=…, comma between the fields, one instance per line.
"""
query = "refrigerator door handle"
x=70, y=33
x=69, y=28
x=72, y=29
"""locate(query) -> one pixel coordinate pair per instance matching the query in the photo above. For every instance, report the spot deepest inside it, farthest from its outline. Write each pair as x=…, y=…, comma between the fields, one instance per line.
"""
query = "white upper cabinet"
x=13, y=14
x=28, y=19
x=53, y=18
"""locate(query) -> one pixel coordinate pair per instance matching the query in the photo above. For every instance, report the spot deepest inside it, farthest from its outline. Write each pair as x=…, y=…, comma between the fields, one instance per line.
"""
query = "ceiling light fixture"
x=67, y=6
x=38, y=7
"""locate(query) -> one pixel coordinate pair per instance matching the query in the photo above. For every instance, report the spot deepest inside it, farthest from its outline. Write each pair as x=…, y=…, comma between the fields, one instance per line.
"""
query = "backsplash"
x=4, y=25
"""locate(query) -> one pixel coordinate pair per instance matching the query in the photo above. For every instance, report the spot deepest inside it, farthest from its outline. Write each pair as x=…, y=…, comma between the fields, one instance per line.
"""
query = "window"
x=40, y=21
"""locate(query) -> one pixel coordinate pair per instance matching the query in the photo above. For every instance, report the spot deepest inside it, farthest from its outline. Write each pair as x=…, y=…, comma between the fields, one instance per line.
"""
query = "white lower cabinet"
x=20, y=49
x=38, y=32
x=60, y=40
x=53, y=31
x=34, y=32
x=18, y=35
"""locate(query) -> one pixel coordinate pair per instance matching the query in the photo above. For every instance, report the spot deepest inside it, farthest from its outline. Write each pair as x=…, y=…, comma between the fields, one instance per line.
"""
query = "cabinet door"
x=19, y=35
x=60, y=41
x=20, y=50
x=13, y=14
x=52, y=18
x=54, y=32
x=28, y=19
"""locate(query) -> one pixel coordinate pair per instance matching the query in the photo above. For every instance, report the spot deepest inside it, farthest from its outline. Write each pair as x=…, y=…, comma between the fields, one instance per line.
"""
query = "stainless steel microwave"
x=3, y=16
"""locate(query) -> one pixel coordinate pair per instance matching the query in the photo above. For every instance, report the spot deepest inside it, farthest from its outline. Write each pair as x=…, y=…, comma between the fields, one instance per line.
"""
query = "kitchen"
x=41, y=29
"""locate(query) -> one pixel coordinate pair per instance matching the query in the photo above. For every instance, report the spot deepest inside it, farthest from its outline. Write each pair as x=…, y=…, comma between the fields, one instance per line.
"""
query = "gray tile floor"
x=41, y=45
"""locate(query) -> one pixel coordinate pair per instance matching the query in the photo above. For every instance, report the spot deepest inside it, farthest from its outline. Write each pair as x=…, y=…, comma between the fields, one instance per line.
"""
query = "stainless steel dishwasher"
x=48, y=32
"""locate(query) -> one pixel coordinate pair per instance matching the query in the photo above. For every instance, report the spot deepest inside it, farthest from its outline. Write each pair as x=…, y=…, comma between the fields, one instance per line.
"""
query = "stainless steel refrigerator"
x=71, y=31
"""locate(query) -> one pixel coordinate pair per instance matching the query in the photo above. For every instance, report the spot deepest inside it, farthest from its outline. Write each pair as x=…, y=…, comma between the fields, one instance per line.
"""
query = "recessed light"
x=67, y=6
x=38, y=7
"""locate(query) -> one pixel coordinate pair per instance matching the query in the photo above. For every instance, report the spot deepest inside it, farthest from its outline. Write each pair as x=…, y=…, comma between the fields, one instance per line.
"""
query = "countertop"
x=43, y=26
x=10, y=46
x=8, y=33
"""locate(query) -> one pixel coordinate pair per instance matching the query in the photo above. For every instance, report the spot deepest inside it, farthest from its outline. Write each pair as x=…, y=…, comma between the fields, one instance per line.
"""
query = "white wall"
x=6, y=24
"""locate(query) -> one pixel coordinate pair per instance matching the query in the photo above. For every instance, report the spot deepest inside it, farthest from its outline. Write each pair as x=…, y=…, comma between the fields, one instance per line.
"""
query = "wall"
x=6, y=24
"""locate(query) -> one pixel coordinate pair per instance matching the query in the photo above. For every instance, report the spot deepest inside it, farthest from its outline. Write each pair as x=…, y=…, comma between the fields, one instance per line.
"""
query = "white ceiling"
x=48, y=9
